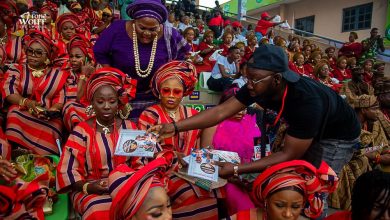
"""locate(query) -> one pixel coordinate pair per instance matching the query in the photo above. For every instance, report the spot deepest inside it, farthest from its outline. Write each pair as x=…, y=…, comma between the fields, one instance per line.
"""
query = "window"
x=357, y=17
x=305, y=24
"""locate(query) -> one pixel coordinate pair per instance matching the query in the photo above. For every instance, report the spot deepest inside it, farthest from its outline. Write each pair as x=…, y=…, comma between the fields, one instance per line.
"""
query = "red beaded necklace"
x=282, y=107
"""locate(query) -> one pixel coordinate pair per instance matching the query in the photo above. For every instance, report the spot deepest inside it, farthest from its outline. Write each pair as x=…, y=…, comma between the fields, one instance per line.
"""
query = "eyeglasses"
x=106, y=15
x=166, y=92
x=36, y=53
x=260, y=80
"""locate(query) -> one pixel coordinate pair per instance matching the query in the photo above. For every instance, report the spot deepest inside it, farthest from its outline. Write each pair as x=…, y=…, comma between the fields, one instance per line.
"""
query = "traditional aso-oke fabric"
x=182, y=70
x=81, y=42
x=382, y=86
x=88, y=155
x=148, y=8
x=73, y=110
x=67, y=17
x=299, y=174
x=14, y=49
x=108, y=76
x=183, y=142
x=23, y=128
x=129, y=187
x=188, y=200
x=5, y=147
x=44, y=40
x=51, y=8
x=365, y=101
x=24, y=200
x=9, y=5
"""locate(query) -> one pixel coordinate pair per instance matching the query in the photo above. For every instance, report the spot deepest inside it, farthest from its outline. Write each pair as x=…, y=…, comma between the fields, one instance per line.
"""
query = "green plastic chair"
x=61, y=207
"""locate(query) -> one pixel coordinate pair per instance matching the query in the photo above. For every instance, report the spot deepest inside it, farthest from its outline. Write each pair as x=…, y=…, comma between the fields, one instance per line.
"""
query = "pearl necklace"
x=143, y=73
x=106, y=129
x=36, y=73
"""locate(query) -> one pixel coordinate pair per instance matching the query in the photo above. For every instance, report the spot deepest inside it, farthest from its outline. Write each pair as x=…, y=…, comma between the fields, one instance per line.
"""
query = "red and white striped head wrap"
x=300, y=174
x=44, y=40
x=108, y=76
x=81, y=42
x=50, y=7
x=67, y=17
x=5, y=7
x=182, y=70
x=8, y=4
x=129, y=188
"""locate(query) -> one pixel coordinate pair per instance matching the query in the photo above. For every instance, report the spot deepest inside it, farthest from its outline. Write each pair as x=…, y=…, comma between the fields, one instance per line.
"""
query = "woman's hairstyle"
x=240, y=45
x=296, y=39
x=296, y=55
x=304, y=48
x=250, y=36
x=355, y=35
x=341, y=59
x=207, y=33
x=232, y=48
x=368, y=61
x=329, y=48
x=314, y=54
x=187, y=30
x=350, y=61
x=318, y=67
x=281, y=42
x=369, y=188
x=226, y=34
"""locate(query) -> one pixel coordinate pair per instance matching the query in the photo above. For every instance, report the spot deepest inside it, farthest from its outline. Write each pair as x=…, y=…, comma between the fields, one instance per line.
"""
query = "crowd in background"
x=70, y=84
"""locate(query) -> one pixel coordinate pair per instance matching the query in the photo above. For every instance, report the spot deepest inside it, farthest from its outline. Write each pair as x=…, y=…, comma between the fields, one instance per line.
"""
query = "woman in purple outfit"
x=140, y=46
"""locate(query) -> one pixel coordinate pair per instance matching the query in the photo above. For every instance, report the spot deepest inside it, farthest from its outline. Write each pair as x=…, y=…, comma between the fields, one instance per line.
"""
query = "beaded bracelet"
x=176, y=129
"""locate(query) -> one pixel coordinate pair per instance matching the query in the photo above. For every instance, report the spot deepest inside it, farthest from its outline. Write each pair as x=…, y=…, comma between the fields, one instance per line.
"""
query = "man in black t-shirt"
x=313, y=111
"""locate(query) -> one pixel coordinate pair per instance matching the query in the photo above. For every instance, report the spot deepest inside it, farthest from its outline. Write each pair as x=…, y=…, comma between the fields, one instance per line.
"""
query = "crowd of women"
x=71, y=85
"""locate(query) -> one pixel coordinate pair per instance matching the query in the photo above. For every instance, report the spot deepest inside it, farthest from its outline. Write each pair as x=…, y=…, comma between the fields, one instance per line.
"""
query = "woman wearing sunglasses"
x=170, y=84
x=34, y=92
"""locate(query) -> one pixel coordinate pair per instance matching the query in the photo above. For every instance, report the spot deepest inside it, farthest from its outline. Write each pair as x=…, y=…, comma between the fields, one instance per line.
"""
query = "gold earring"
x=124, y=114
x=89, y=110
x=47, y=61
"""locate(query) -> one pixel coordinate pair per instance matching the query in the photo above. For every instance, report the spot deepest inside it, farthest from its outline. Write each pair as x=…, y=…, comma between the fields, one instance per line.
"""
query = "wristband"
x=235, y=170
x=176, y=129
x=85, y=188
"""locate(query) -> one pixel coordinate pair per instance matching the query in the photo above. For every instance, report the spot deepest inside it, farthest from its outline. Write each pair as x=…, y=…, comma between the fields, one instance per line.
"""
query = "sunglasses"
x=260, y=80
x=106, y=15
x=166, y=92
x=36, y=53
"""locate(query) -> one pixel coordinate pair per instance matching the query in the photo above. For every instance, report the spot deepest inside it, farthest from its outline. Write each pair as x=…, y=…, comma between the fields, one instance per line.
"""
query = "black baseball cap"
x=273, y=58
